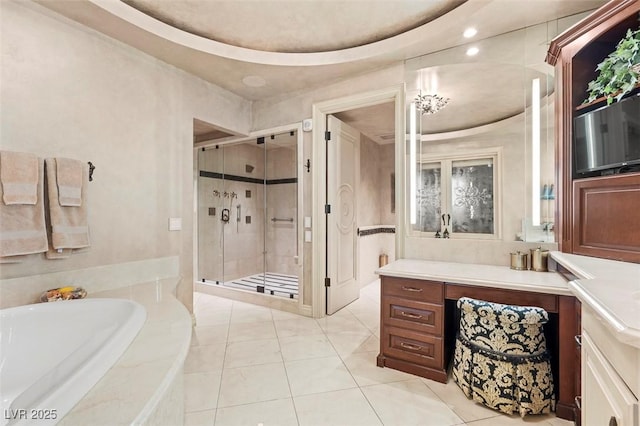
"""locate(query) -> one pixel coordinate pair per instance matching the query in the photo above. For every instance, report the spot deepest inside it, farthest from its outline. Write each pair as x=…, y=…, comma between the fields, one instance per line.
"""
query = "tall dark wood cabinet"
x=597, y=216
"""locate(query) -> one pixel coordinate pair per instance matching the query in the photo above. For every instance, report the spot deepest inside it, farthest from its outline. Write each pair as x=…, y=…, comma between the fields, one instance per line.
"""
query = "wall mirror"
x=480, y=140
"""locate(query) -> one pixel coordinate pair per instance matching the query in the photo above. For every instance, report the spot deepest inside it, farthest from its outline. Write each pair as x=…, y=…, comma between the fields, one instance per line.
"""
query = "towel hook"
x=91, y=169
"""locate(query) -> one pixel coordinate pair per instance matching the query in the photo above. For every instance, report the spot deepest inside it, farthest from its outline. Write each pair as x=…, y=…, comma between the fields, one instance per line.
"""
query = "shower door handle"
x=277, y=219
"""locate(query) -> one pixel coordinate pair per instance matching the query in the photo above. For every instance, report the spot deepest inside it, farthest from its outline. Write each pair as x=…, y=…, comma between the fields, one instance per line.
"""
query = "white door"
x=343, y=174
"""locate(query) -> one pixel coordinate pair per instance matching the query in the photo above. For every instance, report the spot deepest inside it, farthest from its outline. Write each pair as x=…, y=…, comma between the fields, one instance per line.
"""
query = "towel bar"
x=275, y=219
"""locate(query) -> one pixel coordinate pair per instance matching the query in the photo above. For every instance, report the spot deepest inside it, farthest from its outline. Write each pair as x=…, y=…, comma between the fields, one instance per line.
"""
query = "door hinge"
x=327, y=208
x=327, y=135
x=327, y=282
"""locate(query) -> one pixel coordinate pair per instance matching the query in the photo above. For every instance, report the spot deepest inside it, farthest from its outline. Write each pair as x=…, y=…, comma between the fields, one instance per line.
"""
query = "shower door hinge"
x=327, y=135
x=327, y=208
x=327, y=282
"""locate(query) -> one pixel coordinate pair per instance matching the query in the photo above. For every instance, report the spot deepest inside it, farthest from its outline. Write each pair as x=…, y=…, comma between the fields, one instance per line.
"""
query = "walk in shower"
x=248, y=215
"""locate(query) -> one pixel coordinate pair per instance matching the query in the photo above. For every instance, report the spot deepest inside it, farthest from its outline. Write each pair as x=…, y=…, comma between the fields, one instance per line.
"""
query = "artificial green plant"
x=617, y=75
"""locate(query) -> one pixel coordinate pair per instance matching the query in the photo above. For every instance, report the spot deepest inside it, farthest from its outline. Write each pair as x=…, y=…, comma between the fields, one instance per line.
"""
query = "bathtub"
x=51, y=354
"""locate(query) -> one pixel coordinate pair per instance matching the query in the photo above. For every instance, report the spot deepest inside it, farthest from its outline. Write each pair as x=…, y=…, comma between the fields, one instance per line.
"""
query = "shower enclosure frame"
x=292, y=305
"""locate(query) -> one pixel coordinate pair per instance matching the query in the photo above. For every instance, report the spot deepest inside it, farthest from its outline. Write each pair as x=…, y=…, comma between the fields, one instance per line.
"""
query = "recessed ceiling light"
x=472, y=51
x=254, y=81
x=470, y=32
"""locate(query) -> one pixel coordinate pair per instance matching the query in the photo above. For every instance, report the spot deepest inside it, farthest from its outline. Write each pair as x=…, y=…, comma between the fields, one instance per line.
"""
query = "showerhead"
x=248, y=168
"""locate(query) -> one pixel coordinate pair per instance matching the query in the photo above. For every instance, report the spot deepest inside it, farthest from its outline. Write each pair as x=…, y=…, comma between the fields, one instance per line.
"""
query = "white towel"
x=20, y=177
x=69, y=177
x=69, y=224
x=22, y=226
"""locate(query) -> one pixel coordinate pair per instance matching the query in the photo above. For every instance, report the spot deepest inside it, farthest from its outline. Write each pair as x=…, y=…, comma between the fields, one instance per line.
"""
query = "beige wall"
x=69, y=91
x=374, y=206
x=377, y=162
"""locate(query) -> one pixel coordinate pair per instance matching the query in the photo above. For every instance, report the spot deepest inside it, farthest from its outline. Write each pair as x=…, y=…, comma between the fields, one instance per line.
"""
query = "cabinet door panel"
x=605, y=222
x=605, y=398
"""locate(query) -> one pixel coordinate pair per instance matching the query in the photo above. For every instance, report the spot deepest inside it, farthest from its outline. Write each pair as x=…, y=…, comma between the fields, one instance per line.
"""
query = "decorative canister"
x=519, y=261
x=383, y=259
x=539, y=259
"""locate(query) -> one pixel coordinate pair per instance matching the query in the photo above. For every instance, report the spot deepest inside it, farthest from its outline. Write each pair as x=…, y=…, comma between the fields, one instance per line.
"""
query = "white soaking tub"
x=52, y=354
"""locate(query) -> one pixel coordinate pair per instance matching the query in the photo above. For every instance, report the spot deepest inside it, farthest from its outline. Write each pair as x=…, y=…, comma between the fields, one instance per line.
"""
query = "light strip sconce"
x=412, y=163
x=535, y=152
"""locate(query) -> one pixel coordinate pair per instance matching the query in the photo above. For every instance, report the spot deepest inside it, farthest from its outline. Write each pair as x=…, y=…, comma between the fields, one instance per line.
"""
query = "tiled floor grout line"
x=286, y=373
x=224, y=360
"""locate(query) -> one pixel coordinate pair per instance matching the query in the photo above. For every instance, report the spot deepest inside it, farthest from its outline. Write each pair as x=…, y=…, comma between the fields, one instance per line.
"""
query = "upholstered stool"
x=501, y=358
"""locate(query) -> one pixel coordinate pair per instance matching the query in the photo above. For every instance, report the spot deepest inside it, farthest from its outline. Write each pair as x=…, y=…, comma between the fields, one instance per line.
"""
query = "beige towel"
x=69, y=226
x=22, y=226
x=20, y=177
x=69, y=176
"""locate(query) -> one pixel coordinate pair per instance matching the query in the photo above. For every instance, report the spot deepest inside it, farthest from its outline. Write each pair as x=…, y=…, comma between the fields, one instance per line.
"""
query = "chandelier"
x=430, y=104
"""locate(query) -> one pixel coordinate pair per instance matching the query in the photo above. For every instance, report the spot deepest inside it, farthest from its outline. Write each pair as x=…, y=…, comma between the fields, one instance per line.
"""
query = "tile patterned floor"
x=250, y=365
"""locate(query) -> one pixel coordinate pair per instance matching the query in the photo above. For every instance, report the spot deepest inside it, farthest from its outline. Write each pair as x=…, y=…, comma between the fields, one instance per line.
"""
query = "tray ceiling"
x=295, y=27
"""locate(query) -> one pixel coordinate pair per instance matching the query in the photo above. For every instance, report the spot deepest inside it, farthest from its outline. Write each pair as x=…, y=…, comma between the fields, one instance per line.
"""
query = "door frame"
x=256, y=298
x=320, y=111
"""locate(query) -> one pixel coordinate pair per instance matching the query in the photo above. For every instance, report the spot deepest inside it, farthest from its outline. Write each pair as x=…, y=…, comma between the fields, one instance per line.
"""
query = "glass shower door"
x=281, y=250
x=247, y=215
x=243, y=199
x=210, y=235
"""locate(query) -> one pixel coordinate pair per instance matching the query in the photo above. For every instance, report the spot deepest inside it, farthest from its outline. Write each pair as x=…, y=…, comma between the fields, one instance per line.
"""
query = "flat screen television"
x=607, y=140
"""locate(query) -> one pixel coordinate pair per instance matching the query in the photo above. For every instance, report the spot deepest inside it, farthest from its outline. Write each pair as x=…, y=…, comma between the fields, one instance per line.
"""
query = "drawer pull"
x=410, y=346
x=578, y=401
x=578, y=339
x=613, y=421
x=410, y=315
x=414, y=289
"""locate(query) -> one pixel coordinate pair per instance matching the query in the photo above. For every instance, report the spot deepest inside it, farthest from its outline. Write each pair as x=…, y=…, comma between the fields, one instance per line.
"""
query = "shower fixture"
x=248, y=168
x=216, y=193
x=225, y=194
x=234, y=195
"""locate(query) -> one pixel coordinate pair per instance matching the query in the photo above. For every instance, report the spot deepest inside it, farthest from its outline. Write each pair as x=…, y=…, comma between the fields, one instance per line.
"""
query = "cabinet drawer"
x=418, y=348
x=422, y=290
x=418, y=316
x=606, y=400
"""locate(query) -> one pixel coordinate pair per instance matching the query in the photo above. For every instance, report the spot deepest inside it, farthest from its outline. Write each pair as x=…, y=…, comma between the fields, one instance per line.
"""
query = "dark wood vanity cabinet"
x=411, y=327
x=596, y=216
x=419, y=321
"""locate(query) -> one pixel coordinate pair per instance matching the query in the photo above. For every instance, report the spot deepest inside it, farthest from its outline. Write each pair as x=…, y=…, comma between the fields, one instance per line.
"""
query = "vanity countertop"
x=494, y=276
x=611, y=289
